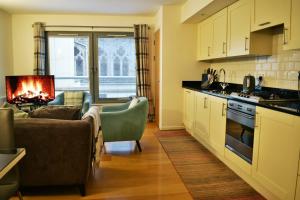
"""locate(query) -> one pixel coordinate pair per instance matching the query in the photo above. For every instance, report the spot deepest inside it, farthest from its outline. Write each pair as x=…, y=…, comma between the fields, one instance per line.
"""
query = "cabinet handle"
x=223, y=109
x=246, y=41
x=265, y=23
x=187, y=91
x=284, y=36
x=208, y=51
x=204, y=104
x=224, y=45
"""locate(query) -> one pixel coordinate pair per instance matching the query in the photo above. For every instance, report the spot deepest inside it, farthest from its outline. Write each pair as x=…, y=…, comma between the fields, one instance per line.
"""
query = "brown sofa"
x=58, y=152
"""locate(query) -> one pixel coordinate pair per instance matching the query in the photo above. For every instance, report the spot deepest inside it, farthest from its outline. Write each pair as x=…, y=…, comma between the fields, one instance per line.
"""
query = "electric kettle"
x=248, y=84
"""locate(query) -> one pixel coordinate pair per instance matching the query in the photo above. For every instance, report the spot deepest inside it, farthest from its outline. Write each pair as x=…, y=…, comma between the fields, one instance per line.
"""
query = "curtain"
x=142, y=60
x=40, y=67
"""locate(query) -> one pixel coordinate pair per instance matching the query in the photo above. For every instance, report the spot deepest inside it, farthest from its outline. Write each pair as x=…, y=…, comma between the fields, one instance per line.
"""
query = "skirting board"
x=167, y=128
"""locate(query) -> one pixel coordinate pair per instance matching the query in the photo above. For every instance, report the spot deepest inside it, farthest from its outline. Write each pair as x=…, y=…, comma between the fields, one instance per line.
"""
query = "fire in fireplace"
x=30, y=89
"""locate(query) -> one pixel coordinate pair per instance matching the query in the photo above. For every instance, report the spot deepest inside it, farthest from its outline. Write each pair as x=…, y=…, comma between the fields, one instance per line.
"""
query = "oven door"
x=240, y=134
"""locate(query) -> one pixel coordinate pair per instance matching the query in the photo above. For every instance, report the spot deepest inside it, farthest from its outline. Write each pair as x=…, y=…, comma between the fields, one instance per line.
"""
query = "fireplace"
x=33, y=89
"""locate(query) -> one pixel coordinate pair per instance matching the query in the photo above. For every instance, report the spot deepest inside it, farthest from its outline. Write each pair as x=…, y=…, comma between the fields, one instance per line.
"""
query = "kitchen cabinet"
x=188, y=109
x=268, y=13
x=205, y=40
x=276, y=152
x=291, y=34
x=202, y=112
x=217, y=128
x=239, y=40
x=219, y=22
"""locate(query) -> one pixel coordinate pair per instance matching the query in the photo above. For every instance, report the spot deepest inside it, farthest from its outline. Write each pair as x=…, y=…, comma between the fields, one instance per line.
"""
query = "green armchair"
x=86, y=102
x=120, y=123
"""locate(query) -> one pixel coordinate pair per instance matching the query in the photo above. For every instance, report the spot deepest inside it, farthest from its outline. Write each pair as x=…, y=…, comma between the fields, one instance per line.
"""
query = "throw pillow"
x=17, y=112
x=133, y=102
x=57, y=112
x=73, y=98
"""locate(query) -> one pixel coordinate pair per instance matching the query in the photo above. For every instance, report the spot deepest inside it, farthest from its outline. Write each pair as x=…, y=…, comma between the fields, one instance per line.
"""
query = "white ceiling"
x=85, y=6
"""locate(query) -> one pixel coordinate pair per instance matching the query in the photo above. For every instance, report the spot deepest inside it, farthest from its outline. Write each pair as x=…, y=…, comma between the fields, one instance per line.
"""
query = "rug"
x=204, y=175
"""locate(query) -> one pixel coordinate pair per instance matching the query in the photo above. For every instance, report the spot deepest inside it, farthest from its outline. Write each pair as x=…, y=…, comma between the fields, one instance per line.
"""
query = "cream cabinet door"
x=292, y=34
x=267, y=13
x=205, y=39
x=276, y=152
x=219, y=22
x=202, y=112
x=217, y=128
x=188, y=109
x=238, y=28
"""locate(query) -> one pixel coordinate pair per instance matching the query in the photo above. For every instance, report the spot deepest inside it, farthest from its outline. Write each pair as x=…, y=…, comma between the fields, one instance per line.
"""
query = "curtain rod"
x=92, y=27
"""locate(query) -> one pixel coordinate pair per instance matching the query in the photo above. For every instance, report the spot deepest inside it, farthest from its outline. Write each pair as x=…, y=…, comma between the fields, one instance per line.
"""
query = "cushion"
x=17, y=112
x=73, y=98
x=57, y=112
x=133, y=102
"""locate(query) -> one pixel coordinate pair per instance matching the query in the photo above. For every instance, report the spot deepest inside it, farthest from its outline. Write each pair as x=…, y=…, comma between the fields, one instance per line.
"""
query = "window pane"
x=69, y=61
x=119, y=65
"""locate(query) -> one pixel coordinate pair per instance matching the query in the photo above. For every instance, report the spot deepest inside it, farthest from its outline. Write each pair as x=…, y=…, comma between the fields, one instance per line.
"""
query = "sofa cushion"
x=57, y=112
x=73, y=98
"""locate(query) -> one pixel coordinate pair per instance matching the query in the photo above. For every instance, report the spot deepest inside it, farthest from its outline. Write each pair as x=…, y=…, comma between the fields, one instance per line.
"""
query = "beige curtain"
x=141, y=35
x=39, y=49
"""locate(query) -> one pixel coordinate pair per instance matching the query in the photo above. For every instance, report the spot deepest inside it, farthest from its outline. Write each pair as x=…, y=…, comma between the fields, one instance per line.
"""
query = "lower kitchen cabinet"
x=202, y=112
x=188, y=109
x=298, y=189
x=217, y=128
x=276, y=152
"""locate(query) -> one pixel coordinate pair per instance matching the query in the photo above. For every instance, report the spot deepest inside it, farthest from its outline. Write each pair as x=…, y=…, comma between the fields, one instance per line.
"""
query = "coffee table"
x=9, y=160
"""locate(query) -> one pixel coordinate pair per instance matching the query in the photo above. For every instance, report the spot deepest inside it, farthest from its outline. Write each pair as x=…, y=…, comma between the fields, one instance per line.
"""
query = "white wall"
x=23, y=33
x=178, y=63
x=5, y=49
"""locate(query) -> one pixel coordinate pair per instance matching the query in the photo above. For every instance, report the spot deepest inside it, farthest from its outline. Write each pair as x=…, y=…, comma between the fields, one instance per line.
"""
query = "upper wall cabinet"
x=219, y=22
x=205, y=40
x=268, y=13
x=291, y=34
x=240, y=41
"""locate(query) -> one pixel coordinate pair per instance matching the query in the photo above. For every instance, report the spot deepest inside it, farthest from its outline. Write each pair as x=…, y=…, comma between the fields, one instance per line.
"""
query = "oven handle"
x=240, y=114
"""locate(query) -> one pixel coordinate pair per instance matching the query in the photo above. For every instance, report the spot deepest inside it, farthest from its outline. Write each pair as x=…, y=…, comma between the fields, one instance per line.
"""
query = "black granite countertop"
x=290, y=105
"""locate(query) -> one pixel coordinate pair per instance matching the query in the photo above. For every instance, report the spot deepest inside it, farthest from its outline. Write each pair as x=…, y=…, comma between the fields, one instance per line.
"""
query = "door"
x=238, y=28
x=206, y=30
x=217, y=123
x=219, y=21
x=267, y=13
x=202, y=111
x=157, y=75
x=276, y=152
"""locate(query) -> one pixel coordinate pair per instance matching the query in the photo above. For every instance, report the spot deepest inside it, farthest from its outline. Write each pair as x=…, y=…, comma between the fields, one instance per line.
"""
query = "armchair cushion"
x=74, y=98
x=57, y=112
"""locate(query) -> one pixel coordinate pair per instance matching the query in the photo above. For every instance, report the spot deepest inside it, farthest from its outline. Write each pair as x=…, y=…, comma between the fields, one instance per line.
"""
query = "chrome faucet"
x=224, y=84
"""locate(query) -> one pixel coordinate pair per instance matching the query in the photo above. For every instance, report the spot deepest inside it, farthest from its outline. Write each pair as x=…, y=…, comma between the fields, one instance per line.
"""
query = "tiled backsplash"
x=279, y=70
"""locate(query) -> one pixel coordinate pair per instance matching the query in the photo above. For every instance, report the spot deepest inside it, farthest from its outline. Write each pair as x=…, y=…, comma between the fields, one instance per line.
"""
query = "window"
x=120, y=81
x=108, y=71
x=69, y=61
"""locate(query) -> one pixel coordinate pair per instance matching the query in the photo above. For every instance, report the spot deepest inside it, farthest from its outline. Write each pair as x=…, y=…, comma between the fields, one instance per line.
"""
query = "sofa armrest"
x=86, y=104
x=59, y=100
x=54, y=149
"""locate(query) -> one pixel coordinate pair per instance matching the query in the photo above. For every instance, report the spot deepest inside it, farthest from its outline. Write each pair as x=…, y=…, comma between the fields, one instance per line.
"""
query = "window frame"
x=93, y=68
x=96, y=91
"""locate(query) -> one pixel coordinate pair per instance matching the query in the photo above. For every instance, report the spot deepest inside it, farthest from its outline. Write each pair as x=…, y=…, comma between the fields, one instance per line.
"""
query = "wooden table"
x=8, y=161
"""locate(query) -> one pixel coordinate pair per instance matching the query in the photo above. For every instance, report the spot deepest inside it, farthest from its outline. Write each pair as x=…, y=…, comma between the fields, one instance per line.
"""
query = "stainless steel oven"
x=240, y=129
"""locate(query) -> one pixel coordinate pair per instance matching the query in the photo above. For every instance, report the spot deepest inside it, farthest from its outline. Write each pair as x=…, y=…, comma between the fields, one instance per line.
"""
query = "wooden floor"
x=125, y=173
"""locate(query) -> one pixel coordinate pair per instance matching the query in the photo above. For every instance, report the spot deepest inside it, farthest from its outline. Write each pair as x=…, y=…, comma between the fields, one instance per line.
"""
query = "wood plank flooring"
x=125, y=173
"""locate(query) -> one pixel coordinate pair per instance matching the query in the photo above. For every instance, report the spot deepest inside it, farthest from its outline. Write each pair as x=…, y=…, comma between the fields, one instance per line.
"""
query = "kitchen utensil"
x=248, y=84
